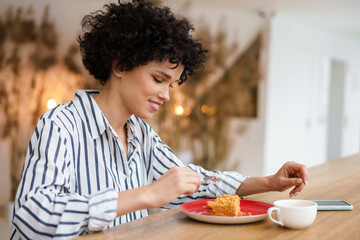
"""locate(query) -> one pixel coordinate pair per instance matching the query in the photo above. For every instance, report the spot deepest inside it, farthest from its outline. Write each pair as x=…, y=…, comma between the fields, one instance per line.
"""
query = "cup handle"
x=269, y=213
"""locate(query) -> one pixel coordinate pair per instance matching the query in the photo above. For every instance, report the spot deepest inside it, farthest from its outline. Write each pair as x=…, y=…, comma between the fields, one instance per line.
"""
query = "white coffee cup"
x=293, y=213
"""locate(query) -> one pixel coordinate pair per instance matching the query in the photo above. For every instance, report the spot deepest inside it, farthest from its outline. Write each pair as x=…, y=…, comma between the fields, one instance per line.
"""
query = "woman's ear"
x=116, y=68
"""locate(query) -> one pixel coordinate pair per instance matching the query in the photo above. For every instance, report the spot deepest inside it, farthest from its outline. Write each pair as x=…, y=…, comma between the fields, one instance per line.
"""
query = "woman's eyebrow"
x=164, y=74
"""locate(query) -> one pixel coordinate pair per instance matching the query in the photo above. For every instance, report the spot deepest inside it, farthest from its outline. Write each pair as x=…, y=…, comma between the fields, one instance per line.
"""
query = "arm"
x=175, y=182
x=289, y=175
x=47, y=204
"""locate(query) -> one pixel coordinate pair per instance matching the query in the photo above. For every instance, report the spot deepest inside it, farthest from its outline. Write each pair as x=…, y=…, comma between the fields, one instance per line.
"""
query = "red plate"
x=197, y=210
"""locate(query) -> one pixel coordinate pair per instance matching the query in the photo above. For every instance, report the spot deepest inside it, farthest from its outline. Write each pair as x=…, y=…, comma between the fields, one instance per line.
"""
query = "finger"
x=190, y=187
x=297, y=190
x=190, y=180
x=302, y=172
x=191, y=190
x=195, y=179
x=288, y=182
x=305, y=175
x=182, y=173
x=192, y=176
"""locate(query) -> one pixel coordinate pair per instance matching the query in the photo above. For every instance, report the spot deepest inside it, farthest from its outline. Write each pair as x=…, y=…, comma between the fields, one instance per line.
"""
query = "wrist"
x=253, y=185
x=147, y=197
x=132, y=200
x=268, y=183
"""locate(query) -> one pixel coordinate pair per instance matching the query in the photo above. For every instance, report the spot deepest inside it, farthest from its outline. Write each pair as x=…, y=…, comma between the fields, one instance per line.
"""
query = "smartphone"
x=339, y=205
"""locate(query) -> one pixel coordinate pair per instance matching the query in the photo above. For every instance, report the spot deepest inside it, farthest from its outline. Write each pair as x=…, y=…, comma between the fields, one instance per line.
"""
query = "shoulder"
x=61, y=111
x=63, y=117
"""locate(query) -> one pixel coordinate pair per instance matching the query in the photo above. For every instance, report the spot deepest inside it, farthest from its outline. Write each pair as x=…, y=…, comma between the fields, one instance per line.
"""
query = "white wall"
x=298, y=91
x=351, y=118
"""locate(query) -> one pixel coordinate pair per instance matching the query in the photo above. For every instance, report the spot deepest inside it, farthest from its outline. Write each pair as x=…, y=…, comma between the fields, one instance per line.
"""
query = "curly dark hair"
x=135, y=34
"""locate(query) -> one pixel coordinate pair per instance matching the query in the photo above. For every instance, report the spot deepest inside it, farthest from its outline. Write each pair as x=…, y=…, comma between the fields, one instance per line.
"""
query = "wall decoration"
x=32, y=71
x=197, y=116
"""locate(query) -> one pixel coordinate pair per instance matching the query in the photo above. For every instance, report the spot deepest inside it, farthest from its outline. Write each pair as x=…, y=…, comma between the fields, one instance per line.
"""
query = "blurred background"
x=282, y=81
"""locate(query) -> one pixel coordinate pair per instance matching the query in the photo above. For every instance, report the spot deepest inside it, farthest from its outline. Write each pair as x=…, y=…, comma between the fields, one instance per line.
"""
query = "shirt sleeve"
x=46, y=204
x=164, y=158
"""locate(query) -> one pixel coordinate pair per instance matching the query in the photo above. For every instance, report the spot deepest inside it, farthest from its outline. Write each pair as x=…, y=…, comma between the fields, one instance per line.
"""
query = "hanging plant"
x=205, y=128
x=28, y=54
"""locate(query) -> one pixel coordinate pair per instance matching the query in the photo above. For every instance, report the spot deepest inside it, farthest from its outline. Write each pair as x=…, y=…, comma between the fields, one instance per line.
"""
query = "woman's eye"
x=157, y=80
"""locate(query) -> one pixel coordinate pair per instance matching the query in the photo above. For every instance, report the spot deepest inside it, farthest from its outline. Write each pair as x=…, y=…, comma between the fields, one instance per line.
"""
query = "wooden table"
x=337, y=179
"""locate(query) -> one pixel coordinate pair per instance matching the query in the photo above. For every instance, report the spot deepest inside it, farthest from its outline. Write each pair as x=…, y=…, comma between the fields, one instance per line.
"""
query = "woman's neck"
x=113, y=108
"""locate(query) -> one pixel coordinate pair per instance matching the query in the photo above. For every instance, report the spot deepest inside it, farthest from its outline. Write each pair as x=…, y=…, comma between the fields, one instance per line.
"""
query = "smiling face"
x=145, y=88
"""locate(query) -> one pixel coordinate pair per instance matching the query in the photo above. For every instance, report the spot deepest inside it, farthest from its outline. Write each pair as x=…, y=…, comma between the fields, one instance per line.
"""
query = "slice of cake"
x=225, y=205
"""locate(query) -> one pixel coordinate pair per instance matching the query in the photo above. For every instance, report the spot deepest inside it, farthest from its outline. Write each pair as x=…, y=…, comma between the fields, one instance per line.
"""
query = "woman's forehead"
x=166, y=65
x=166, y=68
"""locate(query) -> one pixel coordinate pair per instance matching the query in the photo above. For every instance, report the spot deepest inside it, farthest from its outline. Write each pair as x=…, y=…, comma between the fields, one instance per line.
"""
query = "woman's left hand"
x=289, y=175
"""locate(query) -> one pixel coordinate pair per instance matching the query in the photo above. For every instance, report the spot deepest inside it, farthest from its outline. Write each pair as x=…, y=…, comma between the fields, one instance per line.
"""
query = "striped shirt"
x=75, y=166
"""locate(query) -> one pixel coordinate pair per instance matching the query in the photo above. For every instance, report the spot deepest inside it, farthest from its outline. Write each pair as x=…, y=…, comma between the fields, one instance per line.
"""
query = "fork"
x=209, y=179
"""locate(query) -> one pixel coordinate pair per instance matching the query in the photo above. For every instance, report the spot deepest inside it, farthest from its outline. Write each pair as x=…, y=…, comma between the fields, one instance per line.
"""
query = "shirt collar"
x=93, y=117
x=131, y=130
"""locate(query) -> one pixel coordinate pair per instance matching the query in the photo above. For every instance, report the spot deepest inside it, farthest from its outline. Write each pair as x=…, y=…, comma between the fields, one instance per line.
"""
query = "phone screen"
x=333, y=205
x=333, y=202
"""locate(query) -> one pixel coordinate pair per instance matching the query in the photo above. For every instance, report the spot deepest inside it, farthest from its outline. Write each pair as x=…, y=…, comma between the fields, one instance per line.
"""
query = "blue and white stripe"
x=76, y=165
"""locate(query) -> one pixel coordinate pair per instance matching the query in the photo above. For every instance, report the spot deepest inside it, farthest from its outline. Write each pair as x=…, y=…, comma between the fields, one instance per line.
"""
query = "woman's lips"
x=155, y=105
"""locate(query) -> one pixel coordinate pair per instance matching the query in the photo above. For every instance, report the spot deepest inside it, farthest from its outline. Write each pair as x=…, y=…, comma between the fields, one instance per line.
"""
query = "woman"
x=93, y=163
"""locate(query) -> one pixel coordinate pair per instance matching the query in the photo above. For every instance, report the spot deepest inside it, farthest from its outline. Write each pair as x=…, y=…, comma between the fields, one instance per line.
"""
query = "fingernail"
x=306, y=182
x=291, y=195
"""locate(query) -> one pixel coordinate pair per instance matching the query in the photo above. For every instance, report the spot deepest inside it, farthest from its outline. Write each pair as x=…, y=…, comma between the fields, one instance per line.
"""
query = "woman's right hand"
x=175, y=182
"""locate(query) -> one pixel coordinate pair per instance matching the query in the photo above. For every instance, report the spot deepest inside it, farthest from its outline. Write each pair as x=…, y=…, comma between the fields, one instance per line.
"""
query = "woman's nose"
x=164, y=93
